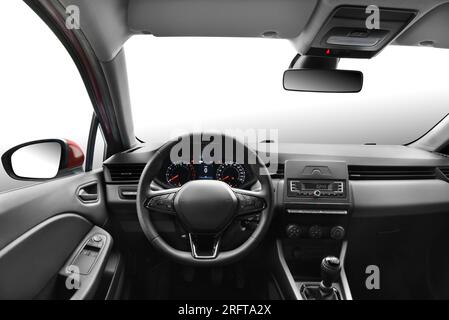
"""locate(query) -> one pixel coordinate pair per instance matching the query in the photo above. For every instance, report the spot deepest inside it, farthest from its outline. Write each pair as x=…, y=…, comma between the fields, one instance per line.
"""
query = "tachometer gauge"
x=178, y=174
x=231, y=173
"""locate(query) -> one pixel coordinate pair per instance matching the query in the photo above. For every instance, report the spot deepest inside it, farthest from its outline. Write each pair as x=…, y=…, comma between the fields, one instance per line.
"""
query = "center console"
x=317, y=203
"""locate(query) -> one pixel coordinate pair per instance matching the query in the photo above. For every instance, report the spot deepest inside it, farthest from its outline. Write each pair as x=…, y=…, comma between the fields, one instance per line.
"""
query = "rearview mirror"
x=323, y=80
x=43, y=159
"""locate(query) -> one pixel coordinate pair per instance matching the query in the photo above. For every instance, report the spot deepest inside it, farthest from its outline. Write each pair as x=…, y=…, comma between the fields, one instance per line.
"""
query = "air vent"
x=279, y=173
x=390, y=173
x=445, y=171
x=127, y=173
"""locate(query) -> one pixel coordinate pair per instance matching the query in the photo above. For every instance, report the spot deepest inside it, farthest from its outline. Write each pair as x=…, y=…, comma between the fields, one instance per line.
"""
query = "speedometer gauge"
x=231, y=173
x=178, y=174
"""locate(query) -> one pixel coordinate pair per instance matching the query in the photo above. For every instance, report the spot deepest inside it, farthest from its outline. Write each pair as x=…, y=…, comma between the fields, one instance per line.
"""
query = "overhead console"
x=345, y=33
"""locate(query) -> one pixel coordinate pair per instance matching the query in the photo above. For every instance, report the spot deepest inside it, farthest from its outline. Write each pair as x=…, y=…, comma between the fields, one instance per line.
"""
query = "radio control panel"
x=316, y=188
x=316, y=182
x=317, y=202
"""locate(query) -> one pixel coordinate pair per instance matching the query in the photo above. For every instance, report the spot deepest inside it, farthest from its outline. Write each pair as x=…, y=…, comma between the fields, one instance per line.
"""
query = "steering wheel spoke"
x=204, y=246
x=161, y=201
x=249, y=202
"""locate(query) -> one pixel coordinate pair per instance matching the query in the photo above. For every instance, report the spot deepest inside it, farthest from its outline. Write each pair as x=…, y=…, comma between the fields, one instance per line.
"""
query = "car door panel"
x=24, y=208
x=28, y=263
x=42, y=226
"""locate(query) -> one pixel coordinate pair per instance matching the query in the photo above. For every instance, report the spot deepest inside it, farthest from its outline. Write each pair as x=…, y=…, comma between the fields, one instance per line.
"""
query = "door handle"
x=83, y=195
x=88, y=193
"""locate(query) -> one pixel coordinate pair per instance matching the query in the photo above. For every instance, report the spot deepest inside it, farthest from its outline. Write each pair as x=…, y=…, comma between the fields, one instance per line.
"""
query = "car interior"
x=285, y=221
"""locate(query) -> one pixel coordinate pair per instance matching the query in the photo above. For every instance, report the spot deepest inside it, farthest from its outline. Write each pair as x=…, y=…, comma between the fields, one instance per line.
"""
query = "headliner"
x=107, y=24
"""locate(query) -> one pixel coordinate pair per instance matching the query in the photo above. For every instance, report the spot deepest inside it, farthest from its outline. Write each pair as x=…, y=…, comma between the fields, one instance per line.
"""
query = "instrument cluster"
x=175, y=175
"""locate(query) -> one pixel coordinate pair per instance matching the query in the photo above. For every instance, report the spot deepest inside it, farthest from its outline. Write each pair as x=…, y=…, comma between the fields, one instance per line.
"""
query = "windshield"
x=204, y=84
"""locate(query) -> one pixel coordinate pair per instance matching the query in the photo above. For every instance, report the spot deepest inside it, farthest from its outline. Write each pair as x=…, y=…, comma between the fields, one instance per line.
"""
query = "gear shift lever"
x=330, y=271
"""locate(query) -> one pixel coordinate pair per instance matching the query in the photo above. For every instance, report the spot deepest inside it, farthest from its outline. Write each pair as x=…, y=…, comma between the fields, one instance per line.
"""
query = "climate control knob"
x=337, y=233
x=315, y=232
x=293, y=231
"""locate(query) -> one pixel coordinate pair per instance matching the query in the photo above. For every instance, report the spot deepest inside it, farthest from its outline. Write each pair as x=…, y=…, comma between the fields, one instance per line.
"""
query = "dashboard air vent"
x=445, y=171
x=390, y=173
x=126, y=172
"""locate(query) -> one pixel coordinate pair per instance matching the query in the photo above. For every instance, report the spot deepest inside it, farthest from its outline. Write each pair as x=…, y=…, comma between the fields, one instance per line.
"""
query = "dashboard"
x=236, y=175
x=318, y=189
x=375, y=180
x=325, y=196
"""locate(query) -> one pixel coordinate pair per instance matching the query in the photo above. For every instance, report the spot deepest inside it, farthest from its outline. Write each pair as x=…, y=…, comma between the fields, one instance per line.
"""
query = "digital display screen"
x=316, y=186
x=205, y=171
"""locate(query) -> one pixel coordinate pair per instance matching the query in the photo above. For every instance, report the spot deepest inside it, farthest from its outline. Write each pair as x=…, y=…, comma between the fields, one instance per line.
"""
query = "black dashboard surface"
x=351, y=154
x=393, y=194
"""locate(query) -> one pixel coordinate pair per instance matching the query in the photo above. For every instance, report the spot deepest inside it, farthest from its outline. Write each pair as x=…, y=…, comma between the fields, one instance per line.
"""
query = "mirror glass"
x=322, y=80
x=38, y=161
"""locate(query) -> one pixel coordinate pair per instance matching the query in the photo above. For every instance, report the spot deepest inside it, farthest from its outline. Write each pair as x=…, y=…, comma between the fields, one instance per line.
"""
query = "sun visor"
x=218, y=18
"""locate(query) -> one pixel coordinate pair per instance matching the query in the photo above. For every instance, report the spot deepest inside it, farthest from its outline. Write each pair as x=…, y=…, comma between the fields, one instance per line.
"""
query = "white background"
x=42, y=94
x=213, y=83
x=221, y=83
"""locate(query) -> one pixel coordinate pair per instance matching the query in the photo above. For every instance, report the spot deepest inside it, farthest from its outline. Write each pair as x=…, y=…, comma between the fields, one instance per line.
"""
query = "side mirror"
x=43, y=159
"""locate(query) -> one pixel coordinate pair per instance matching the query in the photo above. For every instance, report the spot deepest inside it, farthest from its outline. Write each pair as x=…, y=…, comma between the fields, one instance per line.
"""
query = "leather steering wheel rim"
x=144, y=193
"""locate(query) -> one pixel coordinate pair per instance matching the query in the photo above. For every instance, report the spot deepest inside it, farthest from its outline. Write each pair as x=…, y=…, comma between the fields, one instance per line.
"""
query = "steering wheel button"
x=150, y=203
x=259, y=204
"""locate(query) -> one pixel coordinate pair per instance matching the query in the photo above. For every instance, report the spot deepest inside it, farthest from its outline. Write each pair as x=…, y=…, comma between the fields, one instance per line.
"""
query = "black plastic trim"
x=91, y=142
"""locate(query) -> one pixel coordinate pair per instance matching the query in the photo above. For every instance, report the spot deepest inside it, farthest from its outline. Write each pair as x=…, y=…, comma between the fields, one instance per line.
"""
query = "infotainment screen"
x=316, y=186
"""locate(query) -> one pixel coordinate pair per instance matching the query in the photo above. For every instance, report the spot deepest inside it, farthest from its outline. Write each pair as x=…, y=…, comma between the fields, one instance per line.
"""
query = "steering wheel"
x=205, y=208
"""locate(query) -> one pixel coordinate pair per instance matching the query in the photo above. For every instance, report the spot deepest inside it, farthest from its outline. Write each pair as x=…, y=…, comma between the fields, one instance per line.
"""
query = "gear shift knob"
x=330, y=271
